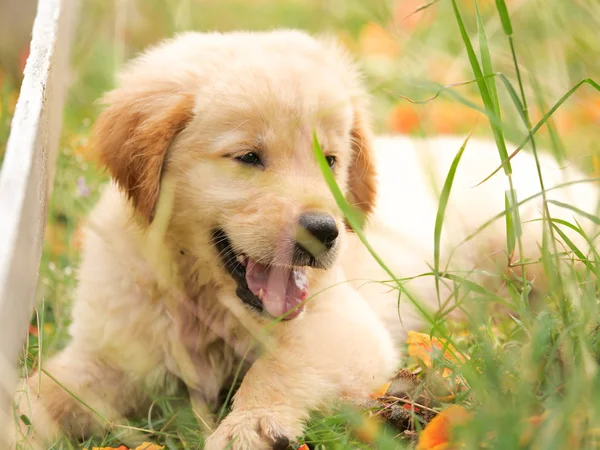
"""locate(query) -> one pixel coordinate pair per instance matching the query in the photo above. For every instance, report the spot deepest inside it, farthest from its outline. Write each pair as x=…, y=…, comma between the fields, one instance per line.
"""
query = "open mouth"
x=278, y=290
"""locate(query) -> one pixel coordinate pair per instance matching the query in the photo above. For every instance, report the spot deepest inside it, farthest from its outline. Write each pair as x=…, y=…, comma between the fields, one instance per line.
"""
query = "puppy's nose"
x=322, y=230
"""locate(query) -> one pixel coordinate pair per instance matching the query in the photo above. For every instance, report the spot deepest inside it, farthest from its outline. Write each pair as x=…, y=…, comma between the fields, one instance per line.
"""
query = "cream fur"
x=154, y=304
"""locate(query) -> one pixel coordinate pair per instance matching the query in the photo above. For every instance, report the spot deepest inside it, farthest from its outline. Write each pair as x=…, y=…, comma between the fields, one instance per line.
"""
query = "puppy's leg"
x=339, y=349
x=76, y=394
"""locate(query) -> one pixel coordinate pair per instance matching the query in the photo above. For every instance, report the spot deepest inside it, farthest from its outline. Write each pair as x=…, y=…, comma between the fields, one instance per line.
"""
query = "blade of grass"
x=422, y=7
x=76, y=397
x=558, y=148
x=507, y=26
x=592, y=217
x=510, y=236
x=504, y=17
x=356, y=221
x=574, y=248
x=513, y=95
x=446, y=90
x=541, y=123
x=441, y=212
x=500, y=215
x=489, y=95
x=483, y=89
x=486, y=63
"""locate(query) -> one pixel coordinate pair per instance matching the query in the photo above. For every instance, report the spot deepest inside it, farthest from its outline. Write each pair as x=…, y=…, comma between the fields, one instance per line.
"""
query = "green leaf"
x=25, y=420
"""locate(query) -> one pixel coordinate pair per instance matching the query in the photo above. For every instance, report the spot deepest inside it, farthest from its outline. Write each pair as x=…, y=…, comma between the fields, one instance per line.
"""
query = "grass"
x=533, y=79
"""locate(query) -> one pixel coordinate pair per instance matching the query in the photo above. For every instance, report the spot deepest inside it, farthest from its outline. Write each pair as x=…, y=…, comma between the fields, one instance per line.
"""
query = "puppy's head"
x=230, y=118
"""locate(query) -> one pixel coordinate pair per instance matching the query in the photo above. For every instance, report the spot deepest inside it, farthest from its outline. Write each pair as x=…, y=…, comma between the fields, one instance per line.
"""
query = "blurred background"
x=408, y=49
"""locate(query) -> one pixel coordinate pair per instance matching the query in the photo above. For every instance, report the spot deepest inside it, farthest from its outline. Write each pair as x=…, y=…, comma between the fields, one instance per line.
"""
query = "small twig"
x=413, y=404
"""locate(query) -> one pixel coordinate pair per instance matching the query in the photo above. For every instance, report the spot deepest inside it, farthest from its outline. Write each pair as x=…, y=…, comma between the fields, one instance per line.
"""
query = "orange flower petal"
x=375, y=40
x=437, y=435
x=533, y=423
x=33, y=330
x=404, y=118
x=408, y=407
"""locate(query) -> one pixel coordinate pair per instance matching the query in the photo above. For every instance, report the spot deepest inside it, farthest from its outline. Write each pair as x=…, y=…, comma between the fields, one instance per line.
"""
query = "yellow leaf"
x=369, y=429
x=121, y=447
x=381, y=391
x=421, y=348
x=149, y=446
x=144, y=446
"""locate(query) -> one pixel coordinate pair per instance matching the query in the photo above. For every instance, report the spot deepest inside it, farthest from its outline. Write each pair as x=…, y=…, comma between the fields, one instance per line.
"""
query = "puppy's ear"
x=132, y=135
x=362, y=180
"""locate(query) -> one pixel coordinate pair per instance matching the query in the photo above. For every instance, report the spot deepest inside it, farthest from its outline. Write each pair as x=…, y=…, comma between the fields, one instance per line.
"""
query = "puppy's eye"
x=331, y=161
x=250, y=158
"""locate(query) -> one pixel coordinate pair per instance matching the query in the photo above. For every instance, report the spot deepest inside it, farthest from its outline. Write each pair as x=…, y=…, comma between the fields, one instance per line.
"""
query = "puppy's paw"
x=256, y=429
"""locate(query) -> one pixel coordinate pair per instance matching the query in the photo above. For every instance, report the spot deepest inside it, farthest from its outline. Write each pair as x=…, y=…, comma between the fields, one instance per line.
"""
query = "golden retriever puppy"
x=219, y=220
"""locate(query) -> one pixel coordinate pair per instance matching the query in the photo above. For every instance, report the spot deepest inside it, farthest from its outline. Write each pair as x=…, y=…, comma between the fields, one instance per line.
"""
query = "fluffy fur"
x=154, y=305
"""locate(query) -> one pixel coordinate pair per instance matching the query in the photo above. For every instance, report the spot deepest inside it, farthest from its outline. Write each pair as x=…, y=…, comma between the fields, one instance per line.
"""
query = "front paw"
x=254, y=429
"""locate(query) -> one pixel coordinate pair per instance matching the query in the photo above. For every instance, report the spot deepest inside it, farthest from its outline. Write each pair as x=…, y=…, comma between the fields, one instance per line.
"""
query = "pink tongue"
x=280, y=289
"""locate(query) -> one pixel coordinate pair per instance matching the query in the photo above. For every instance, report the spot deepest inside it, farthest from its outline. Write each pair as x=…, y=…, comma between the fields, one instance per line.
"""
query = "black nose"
x=322, y=232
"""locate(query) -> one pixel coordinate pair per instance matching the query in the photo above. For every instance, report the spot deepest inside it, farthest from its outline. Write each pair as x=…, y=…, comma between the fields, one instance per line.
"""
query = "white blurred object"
x=26, y=179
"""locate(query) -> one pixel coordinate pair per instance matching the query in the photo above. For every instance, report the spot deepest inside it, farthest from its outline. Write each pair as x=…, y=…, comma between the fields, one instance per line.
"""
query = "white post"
x=26, y=180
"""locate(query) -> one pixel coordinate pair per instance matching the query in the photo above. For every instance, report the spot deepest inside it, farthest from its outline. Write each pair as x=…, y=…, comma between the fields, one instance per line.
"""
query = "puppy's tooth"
x=261, y=293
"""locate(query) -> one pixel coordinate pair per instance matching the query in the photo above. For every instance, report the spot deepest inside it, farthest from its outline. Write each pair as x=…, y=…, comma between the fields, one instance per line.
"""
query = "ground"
x=526, y=380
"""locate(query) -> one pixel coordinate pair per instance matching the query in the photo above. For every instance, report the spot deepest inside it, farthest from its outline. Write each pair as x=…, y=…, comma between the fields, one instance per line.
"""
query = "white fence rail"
x=26, y=180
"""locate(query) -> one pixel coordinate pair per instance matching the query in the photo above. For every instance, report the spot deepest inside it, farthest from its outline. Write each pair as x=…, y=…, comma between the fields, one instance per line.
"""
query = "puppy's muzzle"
x=316, y=234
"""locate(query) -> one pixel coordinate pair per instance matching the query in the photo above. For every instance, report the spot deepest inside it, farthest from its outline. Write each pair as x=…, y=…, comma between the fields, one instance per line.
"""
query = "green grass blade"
x=504, y=17
x=486, y=62
x=510, y=235
x=483, y=90
x=558, y=148
x=446, y=90
x=441, y=212
x=513, y=225
x=595, y=219
x=574, y=248
x=542, y=121
x=514, y=96
x=355, y=219
x=525, y=201
x=422, y=8
x=79, y=399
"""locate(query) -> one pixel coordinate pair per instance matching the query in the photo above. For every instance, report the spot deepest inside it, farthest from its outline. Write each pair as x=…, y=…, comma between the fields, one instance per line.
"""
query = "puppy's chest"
x=211, y=342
